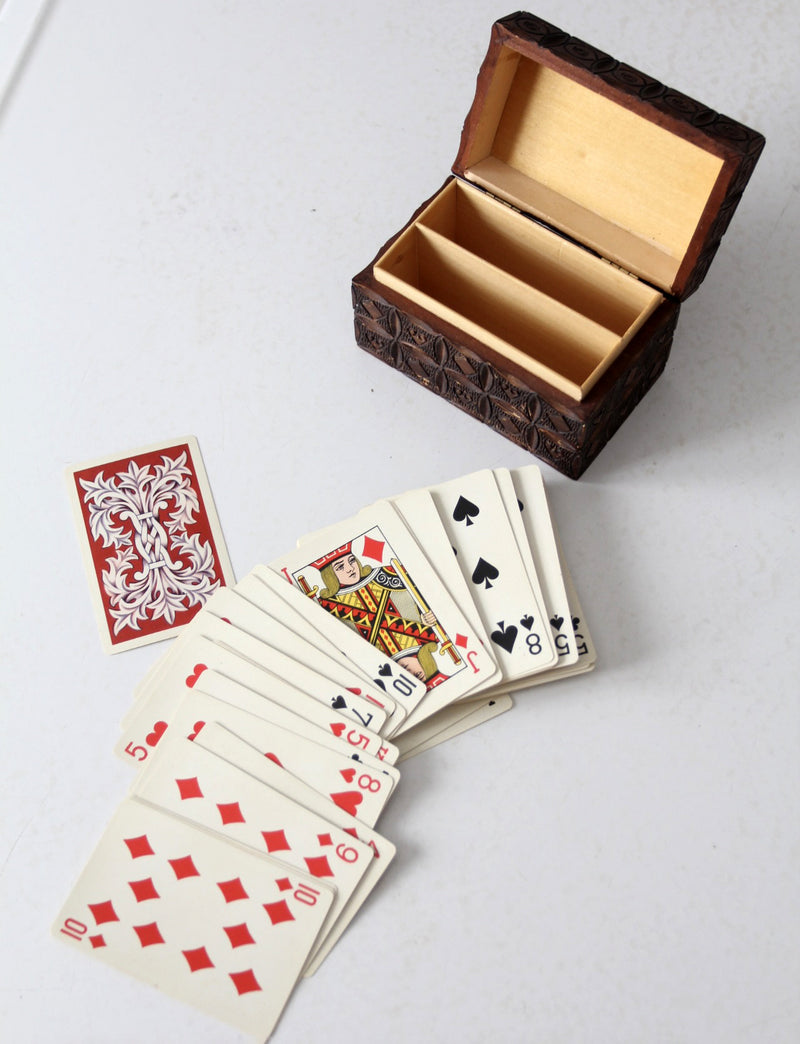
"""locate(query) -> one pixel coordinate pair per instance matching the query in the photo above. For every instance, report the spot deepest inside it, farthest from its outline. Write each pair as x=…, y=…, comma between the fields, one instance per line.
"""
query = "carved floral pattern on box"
x=505, y=404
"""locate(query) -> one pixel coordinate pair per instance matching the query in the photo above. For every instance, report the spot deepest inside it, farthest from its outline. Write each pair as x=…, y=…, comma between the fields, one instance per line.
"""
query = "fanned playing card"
x=262, y=690
x=207, y=921
x=360, y=785
x=244, y=616
x=326, y=727
x=232, y=748
x=151, y=541
x=418, y=511
x=240, y=656
x=255, y=591
x=475, y=520
x=397, y=683
x=193, y=783
x=369, y=573
x=261, y=638
x=525, y=500
x=587, y=653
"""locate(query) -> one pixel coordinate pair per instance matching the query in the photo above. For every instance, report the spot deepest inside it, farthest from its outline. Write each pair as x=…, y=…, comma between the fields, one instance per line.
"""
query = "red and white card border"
x=223, y=561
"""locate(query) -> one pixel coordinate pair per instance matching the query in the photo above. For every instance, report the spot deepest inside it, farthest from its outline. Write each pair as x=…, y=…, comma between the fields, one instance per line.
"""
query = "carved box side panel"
x=566, y=438
x=631, y=386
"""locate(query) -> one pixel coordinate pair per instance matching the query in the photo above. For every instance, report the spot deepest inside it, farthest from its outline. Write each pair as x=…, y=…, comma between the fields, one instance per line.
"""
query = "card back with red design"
x=151, y=540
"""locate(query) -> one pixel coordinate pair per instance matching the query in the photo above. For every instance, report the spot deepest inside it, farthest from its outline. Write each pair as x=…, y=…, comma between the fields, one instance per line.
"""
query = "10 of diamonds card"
x=213, y=923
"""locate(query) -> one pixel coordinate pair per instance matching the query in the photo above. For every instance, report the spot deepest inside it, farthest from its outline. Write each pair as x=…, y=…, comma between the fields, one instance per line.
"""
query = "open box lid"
x=637, y=172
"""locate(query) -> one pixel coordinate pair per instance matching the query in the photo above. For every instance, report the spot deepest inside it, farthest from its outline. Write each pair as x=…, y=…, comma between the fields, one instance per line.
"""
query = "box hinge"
x=620, y=268
x=558, y=232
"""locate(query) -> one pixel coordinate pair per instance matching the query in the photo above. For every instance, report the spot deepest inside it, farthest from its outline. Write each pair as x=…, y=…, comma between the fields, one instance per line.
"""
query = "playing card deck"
x=266, y=737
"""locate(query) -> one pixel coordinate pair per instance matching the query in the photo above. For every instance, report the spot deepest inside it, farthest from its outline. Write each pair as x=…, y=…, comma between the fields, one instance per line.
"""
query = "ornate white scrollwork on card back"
x=159, y=568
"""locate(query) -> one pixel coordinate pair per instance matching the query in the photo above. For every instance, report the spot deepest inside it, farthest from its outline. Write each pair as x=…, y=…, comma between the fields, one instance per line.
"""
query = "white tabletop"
x=186, y=189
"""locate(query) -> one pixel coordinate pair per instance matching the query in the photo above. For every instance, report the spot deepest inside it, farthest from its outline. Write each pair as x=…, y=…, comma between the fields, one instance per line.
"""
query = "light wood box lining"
x=544, y=303
x=624, y=185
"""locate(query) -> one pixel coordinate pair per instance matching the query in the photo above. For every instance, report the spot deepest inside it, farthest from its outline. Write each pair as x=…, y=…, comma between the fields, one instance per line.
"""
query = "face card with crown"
x=211, y=923
x=369, y=573
x=151, y=541
x=407, y=690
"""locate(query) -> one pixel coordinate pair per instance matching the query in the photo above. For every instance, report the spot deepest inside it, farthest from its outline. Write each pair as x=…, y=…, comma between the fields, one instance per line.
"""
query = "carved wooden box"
x=539, y=288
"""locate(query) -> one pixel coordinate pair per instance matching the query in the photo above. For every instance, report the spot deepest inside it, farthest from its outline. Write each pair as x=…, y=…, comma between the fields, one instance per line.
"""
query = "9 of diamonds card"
x=151, y=540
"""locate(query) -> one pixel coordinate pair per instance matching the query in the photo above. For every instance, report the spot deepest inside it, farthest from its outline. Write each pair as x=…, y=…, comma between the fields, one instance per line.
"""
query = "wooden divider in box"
x=540, y=301
x=566, y=432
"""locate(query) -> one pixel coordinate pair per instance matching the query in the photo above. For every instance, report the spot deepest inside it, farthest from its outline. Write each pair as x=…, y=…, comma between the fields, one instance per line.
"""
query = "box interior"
x=549, y=306
x=627, y=187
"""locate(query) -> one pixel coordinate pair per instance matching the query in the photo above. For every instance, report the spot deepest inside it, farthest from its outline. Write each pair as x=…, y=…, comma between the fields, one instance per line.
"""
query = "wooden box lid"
x=635, y=171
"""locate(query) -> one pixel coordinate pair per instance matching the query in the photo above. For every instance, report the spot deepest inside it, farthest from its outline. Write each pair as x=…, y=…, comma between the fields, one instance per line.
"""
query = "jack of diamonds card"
x=370, y=575
x=151, y=541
